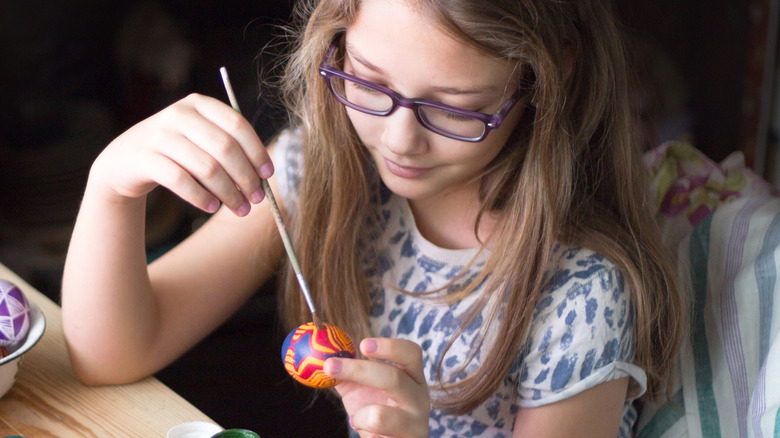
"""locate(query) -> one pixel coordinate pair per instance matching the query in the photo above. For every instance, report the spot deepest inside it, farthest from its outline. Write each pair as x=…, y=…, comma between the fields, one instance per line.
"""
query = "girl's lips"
x=405, y=172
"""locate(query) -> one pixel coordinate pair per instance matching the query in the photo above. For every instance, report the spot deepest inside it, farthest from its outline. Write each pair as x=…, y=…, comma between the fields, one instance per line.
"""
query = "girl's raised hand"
x=386, y=398
x=199, y=148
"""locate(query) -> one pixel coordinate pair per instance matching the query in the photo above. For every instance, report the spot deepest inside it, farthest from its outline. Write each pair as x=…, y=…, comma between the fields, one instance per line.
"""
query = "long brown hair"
x=571, y=172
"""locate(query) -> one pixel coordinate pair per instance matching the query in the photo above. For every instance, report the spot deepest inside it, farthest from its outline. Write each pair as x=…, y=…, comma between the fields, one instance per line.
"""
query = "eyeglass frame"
x=491, y=121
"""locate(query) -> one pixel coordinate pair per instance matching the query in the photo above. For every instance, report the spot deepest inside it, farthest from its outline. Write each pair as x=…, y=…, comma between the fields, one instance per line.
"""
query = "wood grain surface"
x=48, y=401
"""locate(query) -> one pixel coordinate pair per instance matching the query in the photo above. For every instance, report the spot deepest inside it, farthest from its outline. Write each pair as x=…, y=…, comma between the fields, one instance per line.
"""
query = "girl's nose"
x=402, y=133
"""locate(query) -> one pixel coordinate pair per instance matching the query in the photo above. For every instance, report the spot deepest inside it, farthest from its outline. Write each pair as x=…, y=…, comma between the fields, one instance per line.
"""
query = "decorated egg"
x=14, y=315
x=306, y=348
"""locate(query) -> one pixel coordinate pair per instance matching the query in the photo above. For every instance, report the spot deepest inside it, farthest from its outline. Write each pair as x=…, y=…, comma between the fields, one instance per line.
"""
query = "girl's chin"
x=412, y=190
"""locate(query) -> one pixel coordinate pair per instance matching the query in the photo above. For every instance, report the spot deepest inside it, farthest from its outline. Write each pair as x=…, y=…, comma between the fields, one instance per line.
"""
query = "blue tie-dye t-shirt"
x=581, y=332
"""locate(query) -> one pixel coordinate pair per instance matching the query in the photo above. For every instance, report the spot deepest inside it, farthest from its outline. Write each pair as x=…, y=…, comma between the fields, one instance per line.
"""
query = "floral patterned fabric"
x=687, y=186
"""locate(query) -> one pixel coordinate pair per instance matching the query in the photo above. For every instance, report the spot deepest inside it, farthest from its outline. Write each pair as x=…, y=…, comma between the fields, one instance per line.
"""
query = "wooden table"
x=48, y=401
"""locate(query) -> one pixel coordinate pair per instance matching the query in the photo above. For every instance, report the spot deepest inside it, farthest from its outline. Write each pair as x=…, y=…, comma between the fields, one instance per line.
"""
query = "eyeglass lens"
x=375, y=101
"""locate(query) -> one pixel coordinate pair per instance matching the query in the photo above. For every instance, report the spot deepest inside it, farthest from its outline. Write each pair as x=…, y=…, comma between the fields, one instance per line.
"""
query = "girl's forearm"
x=109, y=312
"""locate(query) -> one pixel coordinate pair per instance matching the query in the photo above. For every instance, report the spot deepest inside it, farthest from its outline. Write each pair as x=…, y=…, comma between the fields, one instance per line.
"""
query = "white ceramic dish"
x=9, y=365
x=194, y=429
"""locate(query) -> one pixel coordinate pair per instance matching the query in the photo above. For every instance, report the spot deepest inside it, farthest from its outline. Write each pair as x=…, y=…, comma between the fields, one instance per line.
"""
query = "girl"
x=467, y=198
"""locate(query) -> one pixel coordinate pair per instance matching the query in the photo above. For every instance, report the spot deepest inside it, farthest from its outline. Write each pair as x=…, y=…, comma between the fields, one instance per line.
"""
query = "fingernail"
x=243, y=210
x=369, y=346
x=257, y=196
x=334, y=366
x=213, y=206
x=266, y=170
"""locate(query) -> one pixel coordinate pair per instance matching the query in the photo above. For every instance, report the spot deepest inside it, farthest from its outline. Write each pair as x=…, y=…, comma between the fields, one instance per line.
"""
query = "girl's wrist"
x=102, y=181
x=100, y=190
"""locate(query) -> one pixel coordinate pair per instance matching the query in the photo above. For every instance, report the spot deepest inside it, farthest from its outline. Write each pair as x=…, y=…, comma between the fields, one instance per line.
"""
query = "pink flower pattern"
x=686, y=182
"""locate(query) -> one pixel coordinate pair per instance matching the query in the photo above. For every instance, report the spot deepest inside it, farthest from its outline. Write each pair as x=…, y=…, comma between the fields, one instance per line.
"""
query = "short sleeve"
x=288, y=161
x=582, y=333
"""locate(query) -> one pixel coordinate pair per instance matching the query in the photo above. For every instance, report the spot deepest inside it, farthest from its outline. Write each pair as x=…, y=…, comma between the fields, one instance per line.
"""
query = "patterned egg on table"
x=306, y=349
x=22, y=324
x=14, y=317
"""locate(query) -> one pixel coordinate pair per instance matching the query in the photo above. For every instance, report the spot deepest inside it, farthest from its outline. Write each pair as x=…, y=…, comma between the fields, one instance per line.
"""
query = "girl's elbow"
x=87, y=376
x=94, y=366
x=91, y=373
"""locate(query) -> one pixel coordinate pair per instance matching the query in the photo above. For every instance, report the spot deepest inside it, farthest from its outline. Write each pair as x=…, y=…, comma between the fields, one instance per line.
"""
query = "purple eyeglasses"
x=449, y=121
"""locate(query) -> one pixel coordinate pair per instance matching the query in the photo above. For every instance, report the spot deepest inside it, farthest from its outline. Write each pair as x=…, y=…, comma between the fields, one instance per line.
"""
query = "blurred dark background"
x=75, y=74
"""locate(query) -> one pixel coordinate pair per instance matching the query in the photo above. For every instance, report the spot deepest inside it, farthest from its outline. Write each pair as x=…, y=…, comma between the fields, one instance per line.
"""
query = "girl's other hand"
x=386, y=398
x=199, y=148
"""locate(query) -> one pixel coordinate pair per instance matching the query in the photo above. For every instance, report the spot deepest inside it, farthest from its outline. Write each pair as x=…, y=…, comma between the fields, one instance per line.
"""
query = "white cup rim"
x=193, y=429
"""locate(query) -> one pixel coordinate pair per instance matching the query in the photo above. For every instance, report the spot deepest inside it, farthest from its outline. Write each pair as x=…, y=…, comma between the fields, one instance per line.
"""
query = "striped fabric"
x=729, y=377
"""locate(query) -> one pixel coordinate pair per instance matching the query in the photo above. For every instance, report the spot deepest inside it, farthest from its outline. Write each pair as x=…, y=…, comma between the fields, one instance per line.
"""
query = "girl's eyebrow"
x=352, y=53
x=367, y=64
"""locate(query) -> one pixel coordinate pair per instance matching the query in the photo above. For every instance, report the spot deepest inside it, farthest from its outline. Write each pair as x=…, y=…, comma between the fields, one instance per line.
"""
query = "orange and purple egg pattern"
x=306, y=349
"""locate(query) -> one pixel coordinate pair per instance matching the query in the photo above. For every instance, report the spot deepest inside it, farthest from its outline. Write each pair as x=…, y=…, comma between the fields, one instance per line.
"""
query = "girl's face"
x=393, y=45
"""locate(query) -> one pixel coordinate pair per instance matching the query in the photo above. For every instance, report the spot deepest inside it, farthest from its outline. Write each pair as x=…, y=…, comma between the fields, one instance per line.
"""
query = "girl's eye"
x=362, y=88
x=457, y=117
